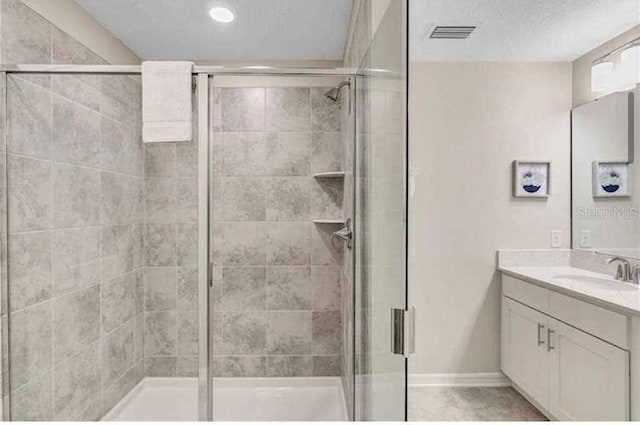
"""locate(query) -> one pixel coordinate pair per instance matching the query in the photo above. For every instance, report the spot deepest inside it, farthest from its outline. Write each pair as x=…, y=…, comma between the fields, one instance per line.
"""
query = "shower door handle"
x=403, y=331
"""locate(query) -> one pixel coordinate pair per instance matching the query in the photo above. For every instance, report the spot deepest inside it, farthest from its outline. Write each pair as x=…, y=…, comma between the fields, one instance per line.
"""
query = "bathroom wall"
x=276, y=274
x=468, y=123
x=582, y=66
x=75, y=244
x=75, y=190
x=171, y=272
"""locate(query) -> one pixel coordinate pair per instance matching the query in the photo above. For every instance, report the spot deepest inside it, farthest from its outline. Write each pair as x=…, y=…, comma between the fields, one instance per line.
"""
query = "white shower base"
x=235, y=399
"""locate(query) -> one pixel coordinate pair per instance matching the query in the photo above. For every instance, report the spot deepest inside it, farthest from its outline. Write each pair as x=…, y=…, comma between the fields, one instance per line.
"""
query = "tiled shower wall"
x=75, y=227
x=276, y=273
x=75, y=246
x=171, y=272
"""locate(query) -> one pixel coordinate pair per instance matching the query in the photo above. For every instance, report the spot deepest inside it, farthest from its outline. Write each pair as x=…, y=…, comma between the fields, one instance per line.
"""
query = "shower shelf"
x=329, y=221
x=330, y=174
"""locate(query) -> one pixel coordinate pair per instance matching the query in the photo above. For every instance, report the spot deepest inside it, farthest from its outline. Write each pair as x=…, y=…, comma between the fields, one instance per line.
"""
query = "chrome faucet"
x=626, y=272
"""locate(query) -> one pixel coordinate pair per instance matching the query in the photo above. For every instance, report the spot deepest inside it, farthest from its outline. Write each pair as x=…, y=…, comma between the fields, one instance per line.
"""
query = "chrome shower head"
x=333, y=94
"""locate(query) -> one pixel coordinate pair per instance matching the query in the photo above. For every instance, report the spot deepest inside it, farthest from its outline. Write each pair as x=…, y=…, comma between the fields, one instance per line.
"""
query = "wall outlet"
x=556, y=239
x=585, y=239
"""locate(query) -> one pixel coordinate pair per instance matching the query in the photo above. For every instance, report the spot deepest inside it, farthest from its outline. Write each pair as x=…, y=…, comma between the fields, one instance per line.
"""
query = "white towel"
x=166, y=101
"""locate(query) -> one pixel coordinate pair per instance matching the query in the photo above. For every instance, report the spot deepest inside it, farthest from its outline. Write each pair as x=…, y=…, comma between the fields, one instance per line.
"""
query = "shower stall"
x=250, y=274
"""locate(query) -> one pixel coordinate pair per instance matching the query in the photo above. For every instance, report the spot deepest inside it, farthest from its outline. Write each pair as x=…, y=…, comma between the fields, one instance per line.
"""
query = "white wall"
x=468, y=121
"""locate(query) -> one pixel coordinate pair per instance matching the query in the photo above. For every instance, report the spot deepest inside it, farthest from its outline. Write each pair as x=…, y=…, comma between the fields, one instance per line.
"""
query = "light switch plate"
x=556, y=239
x=585, y=239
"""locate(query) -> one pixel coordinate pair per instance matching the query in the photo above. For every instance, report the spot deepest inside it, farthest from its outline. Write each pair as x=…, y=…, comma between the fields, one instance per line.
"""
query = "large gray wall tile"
x=289, y=366
x=326, y=332
x=118, y=303
x=34, y=401
x=160, y=288
x=118, y=353
x=288, y=109
x=325, y=114
x=326, y=288
x=30, y=194
x=30, y=343
x=243, y=154
x=76, y=196
x=187, y=294
x=242, y=109
x=244, y=288
x=160, y=333
x=76, y=382
x=26, y=36
x=187, y=333
x=239, y=244
x=76, y=322
x=187, y=200
x=161, y=366
x=289, y=332
x=160, y=159
x=29, y=268
x=160, y=204
x=75, y=133
x=244, y=332
x=288, y=244
x=243, y=199
x=120, y=150
x=29, y=110
x=288, y=199
x=289, y=288
x=160, y=243
x=326, y=152
x=75, y=259
x=240, y=366
x=288, y=154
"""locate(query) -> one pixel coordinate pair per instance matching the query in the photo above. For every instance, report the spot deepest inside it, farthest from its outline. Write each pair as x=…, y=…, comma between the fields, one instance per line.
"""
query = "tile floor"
x=470, y=404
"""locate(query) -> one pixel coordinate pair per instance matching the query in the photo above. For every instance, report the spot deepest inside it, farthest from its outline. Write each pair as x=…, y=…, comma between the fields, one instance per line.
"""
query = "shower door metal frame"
x=202, y=73
x=205, y=408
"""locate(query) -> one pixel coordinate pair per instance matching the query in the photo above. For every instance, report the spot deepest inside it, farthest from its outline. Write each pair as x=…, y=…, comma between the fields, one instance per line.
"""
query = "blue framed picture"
x=531, y=179
x=611, y=179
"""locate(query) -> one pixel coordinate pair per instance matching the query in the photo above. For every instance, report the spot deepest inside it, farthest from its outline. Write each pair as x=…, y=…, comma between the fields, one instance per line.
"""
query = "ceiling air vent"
x=450, y=32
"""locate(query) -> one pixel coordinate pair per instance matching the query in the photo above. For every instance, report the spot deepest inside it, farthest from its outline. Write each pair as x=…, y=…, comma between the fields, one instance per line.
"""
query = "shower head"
x=333, y=94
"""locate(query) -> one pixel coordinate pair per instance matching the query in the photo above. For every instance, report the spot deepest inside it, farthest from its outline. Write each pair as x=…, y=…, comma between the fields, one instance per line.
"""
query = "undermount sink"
x=611, y=284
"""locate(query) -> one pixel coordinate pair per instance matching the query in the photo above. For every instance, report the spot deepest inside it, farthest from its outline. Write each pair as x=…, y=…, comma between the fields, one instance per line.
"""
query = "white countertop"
x=592, y=287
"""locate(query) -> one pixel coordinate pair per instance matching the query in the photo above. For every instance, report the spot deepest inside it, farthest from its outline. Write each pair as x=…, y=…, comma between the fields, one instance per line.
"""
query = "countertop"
x=595, y=288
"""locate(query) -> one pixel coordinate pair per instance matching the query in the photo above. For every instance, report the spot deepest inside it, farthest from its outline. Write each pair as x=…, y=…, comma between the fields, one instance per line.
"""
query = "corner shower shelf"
x=331, y=174
x=328, y=221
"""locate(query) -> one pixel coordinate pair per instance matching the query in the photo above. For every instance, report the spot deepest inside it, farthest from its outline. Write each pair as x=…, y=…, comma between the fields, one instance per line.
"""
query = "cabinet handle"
x=540, y=329
x=549, y=333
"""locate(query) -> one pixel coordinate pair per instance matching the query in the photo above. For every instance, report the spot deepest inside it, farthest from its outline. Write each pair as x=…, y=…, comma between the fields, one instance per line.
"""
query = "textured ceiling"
x=514, y=30
x=263, y=29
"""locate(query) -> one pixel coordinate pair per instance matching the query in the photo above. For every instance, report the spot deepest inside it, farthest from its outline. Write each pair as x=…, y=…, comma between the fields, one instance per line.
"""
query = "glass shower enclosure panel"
x=380, y=220
x=101, y=256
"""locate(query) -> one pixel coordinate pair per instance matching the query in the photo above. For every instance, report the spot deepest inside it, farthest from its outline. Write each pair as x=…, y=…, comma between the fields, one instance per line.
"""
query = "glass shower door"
x=380, y=230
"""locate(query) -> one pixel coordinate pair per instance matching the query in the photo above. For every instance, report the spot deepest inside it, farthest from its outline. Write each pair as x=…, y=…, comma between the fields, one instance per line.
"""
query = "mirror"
x=605, y=178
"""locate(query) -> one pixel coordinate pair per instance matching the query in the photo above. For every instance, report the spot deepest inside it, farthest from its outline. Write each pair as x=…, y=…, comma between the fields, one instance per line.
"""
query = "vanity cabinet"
x=568, y=372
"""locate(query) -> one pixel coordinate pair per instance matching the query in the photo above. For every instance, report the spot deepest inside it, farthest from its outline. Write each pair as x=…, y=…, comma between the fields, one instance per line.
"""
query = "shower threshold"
x=235, y=399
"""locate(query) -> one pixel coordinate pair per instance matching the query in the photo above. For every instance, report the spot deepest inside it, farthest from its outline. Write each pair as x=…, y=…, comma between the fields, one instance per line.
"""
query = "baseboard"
x=496, y=379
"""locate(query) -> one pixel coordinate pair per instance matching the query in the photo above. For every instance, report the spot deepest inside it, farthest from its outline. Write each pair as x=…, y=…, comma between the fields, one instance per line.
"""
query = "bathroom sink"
x=597, y=282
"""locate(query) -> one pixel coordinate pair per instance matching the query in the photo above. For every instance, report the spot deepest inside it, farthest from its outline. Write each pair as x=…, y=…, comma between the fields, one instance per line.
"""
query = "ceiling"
x=267, y=30
x=519, y=30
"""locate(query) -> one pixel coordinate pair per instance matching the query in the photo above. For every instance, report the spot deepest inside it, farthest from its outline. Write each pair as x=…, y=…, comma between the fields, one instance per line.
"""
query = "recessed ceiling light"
x=222, y=14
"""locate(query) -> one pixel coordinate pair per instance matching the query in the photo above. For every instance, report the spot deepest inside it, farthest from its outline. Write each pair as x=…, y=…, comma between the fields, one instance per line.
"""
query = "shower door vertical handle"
x=403, y=334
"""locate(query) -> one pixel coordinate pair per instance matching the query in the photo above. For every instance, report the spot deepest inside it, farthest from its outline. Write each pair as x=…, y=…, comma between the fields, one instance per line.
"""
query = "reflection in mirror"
x=605, y=186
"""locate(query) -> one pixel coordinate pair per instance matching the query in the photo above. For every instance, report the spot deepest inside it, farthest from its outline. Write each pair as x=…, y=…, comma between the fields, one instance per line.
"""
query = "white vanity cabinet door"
x=589, y=378
x=524, y=352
